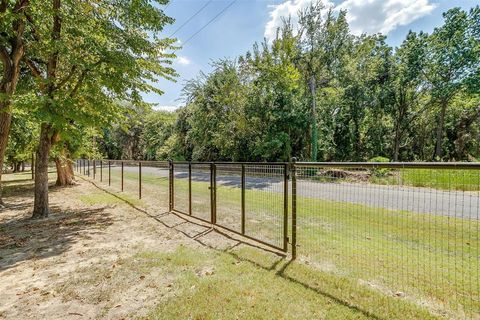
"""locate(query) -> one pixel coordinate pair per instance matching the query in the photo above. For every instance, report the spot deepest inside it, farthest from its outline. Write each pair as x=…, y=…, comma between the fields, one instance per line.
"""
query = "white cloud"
x=184, y=61
x=289, y=8
x=364, y=16
x=372, y=16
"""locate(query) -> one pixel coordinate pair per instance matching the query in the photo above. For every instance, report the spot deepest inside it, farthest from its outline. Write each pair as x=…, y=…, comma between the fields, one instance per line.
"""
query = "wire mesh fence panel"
x=201, y=191
x=229, y=196
x=102, y=172
x=131, y=179
x=97, y=169
x=265, y=203
x=116, y=175
x=80, y=166
x=180, y=187
x=155, y=184
x=93, y=169
x=411, y=234
x=86, y=167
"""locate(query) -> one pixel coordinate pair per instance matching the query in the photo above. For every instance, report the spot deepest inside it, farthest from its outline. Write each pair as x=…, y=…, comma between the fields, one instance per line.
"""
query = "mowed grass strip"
x=430, y=259
x=439, y=179
x=448, y=179
x=250, y=284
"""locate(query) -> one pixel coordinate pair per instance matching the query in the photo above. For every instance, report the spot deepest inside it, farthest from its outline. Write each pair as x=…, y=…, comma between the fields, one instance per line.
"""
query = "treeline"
x=324, y=94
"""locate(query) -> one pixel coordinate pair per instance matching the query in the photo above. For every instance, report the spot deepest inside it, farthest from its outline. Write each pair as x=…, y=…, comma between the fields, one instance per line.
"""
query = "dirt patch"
x=81, y=262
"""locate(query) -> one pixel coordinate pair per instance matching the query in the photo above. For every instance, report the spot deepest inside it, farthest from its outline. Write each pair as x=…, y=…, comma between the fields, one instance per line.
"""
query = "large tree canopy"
x=86, y=63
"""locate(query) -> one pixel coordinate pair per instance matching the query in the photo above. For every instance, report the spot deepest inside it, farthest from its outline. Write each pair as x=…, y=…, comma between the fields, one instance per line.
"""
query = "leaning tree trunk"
x=65, y=175
x=40, y=206
x=5, y=122
x=439, y=136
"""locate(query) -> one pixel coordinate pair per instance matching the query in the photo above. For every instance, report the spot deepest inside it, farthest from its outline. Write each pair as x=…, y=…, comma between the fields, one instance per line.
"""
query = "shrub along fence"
x=408, y=230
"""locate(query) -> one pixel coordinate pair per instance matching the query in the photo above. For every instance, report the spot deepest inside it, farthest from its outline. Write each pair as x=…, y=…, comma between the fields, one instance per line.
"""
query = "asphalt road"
x=422, y=200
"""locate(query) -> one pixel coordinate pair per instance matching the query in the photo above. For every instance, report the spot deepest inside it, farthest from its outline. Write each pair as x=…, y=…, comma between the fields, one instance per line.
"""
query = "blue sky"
x=250, y=21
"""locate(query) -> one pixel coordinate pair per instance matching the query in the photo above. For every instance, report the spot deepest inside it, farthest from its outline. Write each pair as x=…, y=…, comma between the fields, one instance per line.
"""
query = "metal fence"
x=250, y=199
x=406, y=230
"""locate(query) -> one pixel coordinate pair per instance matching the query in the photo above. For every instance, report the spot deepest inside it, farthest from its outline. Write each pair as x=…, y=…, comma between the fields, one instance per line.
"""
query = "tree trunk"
x=396, y=147
x=23, y=166
x=397, y=140
x=47, y=135
x=5, y=122
x=313, y=92
x=40, y=206
x=65, y=175
x=439, y=136
x=11, y=73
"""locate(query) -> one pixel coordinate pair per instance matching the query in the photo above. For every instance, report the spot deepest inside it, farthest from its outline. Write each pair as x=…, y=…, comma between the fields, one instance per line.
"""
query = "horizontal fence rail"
x=404, y=230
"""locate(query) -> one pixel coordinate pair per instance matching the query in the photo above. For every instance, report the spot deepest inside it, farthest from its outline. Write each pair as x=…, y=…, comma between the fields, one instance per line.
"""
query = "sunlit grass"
x=467, y=180
x=249, y=284
x=440, y=179
x=426, y=258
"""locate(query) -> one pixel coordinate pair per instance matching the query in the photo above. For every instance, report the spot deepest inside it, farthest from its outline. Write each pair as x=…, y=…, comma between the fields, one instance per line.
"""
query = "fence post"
x=122, y=176
x=170, y=186
x=190, y=188
x=294, y=208
x=285, y=207
x=243, y=198
x=213, y=193
x=139, y=180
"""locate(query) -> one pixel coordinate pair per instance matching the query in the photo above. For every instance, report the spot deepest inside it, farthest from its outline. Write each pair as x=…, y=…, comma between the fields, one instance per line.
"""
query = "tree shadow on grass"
x=26, y=239
x=12, y=182
x=25, y=188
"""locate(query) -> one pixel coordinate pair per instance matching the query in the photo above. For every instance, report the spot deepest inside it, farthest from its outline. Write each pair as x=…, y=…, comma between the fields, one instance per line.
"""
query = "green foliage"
x=23, y=136
x=325, y=94
x=87, y=65
x=158, y=129
x=102, y=54
x=378, y=172
x=379, y=159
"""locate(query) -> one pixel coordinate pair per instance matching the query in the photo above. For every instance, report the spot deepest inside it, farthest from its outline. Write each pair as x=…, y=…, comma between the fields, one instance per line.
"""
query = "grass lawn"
x=97, y=257
x=445, y=179
x=249, y=284
x=467, y=180
x=430, y=260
